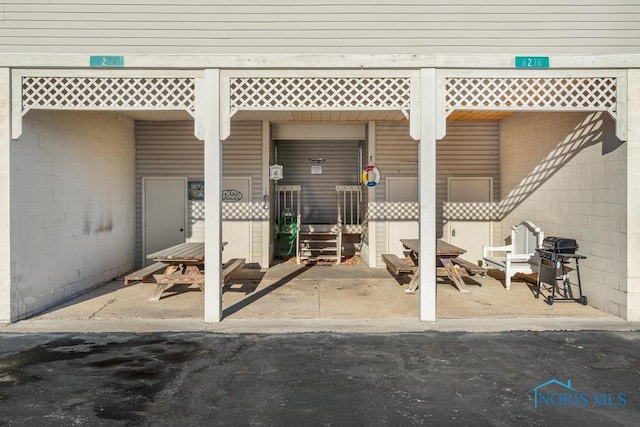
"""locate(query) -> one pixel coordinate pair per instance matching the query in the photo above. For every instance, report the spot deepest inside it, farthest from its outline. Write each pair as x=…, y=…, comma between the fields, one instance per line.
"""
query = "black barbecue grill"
x=559, y=245
x=556, y=254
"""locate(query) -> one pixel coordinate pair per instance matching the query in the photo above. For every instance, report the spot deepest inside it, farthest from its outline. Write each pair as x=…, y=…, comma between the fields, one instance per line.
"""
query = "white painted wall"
x=566, y=172
x=633, y=198
x=5, y=228
x=72, y=205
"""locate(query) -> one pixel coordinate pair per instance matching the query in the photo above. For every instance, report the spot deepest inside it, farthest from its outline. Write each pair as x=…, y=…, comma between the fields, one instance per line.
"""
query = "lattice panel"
x=196, y=210
x=108, y=92
x=472, y=211
x=320, y=93
x=588, y=93
x=235, y=211
x=231, y=211
x=394, y=211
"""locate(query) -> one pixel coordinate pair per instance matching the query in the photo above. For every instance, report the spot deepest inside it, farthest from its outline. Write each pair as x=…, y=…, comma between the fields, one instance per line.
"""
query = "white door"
x=472, y=233
x=402, y=212
x=236, y=218
x=164, y=214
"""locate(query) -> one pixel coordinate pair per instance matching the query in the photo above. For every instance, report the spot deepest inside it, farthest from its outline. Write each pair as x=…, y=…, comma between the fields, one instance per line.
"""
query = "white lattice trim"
x=539, y=93
x=472, y=211
x=72, y=92
x=383, y=211
x=282, y=93
x=244, y=211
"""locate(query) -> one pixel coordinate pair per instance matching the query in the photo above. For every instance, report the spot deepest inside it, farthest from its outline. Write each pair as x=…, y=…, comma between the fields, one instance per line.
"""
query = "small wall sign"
x=532, y=62
x=275, y=172
x=196, y=190
x=231, y=196
x=101, y=61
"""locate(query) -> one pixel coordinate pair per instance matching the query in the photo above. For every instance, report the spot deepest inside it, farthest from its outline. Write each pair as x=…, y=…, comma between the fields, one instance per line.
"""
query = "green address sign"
x=532, y=62
x=97, y=61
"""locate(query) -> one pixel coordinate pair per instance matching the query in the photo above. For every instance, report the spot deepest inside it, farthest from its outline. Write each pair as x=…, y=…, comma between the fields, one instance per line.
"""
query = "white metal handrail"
x=349, y=201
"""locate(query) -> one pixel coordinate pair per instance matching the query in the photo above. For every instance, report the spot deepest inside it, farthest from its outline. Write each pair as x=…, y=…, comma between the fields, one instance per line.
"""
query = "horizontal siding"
x=470, y=149
x=165, y=149
x=396, y=156
x=242, y=157
x=318, y=194
x=396, y=153
x=333, y=26
x=242, y=154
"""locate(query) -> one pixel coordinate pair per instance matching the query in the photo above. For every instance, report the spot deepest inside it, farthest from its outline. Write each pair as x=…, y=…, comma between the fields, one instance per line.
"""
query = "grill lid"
x=560, y=244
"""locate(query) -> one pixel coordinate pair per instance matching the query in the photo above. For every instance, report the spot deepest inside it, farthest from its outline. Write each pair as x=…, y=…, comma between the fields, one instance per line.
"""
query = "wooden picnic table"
x=445, y=254
x=184, y=261
x=183, y=253
x=443, y=249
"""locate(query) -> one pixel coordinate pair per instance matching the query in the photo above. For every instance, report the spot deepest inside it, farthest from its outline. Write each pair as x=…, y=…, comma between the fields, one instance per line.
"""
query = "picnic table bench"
x=396, y=265
x=448, y=263
x=194, y=276
x=144, y=273
x=181, y=265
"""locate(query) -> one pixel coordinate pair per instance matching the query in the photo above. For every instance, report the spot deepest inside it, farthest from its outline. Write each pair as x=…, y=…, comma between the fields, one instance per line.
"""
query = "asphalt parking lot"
x=579, y=378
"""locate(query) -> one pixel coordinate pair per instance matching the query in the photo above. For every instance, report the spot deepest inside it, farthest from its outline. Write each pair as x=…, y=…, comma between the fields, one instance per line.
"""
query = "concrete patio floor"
x=290, y=291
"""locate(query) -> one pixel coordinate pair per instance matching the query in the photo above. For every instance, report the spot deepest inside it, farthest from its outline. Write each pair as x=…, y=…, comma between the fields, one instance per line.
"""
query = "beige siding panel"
x=171, y=149
x=470, y=149
x=396, y=155
x=318, y=194
x=332, y=27
x=242, y=157
x=168, y=149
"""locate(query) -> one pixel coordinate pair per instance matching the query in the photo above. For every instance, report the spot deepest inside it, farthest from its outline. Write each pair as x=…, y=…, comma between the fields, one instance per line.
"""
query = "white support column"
x=622, y=107
x=266, y=223
x=427, y=194
x=441, y=100
x=5, y=202
x=213, y=206
x=372, y=225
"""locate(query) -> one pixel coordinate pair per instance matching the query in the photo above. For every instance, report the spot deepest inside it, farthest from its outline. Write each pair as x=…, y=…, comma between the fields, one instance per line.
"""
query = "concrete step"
x=312, y=251
x=319, y=258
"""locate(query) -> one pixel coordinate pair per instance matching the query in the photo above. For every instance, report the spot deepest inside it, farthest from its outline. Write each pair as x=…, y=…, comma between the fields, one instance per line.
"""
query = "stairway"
x=320, y=243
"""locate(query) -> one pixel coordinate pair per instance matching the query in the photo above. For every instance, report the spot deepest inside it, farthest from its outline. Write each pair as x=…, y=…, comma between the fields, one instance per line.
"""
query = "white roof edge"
x=357, y=61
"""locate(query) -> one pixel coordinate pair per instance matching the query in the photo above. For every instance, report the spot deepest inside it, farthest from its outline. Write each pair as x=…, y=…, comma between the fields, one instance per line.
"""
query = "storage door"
x=236, y=217
x=473, y=234
x=403, y=212
x=164, y=214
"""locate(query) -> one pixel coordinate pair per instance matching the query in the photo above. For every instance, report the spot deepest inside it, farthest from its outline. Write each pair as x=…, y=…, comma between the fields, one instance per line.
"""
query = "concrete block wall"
x=72, y=206
x=566, y=172
x=633, y=197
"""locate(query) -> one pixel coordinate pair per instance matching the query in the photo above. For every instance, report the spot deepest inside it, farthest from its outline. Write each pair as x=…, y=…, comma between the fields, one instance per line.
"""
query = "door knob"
x=453, y=232
x=182, y=229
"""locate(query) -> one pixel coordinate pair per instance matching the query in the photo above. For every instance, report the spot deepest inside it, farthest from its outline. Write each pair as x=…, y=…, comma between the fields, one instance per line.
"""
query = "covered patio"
x=288, y=291
x=312, y=293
